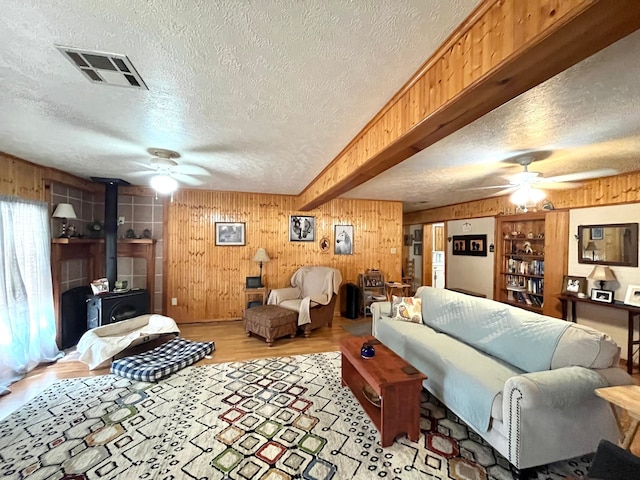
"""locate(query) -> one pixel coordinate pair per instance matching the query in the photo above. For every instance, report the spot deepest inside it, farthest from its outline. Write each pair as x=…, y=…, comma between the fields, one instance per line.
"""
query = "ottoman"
x=270, y=322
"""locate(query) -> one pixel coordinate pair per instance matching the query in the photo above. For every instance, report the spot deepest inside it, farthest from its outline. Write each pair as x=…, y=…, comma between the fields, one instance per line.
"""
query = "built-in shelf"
x=531, y=260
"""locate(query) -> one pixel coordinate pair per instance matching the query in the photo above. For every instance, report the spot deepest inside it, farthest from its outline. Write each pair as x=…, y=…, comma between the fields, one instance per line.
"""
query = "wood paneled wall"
x=208, y=280
x=21, y=179
x=504, y=47
x=602, y=191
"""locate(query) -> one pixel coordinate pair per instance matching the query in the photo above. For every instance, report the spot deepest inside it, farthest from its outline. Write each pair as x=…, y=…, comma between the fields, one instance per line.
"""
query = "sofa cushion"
x=525, y=339
x=584, y=346
x=465, y=379
x=407, y=309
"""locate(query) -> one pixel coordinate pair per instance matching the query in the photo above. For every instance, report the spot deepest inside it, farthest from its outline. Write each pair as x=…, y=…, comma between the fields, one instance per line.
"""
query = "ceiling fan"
x=166, y=173
x=527, y=187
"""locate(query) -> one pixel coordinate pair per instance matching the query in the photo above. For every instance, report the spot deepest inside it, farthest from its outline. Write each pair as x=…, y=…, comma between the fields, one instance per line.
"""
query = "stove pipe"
x=111, y=233
x=110, y=227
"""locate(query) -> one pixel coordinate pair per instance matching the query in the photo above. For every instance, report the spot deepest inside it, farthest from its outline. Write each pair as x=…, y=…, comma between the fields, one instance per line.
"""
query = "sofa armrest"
x=560, y=388
x=379, y=310
x=279, y=295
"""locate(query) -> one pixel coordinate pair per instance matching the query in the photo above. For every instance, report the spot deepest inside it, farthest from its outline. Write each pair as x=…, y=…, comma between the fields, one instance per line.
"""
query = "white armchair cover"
x=308, y=284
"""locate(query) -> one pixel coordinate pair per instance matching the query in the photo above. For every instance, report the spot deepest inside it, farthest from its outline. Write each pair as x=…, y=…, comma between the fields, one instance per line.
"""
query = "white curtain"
x=27, y=321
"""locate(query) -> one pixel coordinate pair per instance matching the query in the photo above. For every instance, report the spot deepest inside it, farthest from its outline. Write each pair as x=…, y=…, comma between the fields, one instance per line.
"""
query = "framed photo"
x=302, y=228
x=597, y=233
x=604, y=296
x=574, y=285
x=474, y=245
x=229, y=234
x=417, y=235
x=417, y=249
x=344, y=240
x=633, y=295
x=324, y=245
x=408, y=240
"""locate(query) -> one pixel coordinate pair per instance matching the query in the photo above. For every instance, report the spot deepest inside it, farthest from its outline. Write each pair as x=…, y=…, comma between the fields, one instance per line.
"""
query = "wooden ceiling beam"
x=504, y=48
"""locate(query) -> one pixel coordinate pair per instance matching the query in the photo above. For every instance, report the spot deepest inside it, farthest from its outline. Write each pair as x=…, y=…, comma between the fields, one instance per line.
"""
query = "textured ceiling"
x=583, y=123
x=264, y=94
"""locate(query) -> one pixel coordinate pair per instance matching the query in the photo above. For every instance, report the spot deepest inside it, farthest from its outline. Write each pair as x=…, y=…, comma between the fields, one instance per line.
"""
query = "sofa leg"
x=521, y=474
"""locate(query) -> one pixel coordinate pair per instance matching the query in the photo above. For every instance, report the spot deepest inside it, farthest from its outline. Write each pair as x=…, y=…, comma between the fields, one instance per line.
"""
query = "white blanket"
x=99, y=345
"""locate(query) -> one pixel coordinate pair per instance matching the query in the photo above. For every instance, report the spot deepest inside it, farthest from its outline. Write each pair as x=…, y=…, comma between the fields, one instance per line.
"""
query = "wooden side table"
x=632, y=339
x=402, y=289
x=626, y=397
x=398, y=392
x=250, y=293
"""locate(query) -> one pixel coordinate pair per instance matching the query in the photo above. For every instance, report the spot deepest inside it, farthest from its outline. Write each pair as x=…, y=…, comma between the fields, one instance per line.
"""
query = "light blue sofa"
x=523, y=381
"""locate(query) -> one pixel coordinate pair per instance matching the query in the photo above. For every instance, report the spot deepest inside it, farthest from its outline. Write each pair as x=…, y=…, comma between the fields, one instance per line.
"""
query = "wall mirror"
x=611, y=244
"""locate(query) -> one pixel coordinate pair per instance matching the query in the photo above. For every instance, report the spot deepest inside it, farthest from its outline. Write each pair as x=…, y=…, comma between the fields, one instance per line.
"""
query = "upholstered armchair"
x=313, y=294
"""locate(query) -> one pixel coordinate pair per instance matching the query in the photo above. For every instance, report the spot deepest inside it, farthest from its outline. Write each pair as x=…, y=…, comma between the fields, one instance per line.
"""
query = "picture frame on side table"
x=604, y=296
x=633, y=296
x=574, y=286
x=230, y=234
x=302, y=228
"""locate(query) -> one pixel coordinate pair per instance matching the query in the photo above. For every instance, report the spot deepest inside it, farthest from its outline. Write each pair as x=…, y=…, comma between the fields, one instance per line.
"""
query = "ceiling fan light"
x=163, y=184
x=527, y=196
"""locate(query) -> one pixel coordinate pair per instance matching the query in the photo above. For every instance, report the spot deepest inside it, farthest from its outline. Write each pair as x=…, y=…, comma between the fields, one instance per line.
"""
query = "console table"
x=632, y=312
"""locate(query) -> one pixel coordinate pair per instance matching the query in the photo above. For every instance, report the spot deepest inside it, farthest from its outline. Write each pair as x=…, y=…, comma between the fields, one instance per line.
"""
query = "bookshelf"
x=531, y=260
x=372, y=289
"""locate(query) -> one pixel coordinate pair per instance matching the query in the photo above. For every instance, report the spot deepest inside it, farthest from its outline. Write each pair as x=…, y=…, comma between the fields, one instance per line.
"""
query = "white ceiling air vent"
x=102, y=67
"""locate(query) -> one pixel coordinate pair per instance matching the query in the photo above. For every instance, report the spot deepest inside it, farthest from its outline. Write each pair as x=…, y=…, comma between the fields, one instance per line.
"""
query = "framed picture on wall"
x=417, y=249
x=417, y=235
x=474, y=245
x=228, y=234
x=302, y=228
x=344, y=240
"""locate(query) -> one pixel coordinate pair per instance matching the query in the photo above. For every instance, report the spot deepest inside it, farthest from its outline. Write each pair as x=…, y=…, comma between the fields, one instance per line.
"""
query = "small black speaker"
x=350, y=304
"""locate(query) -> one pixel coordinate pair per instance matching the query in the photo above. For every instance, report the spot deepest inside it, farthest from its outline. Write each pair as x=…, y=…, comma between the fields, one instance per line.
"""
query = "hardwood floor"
x=232, y=345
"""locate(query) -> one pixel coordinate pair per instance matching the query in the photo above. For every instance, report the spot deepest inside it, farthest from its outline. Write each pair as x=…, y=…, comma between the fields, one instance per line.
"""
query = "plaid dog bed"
x=162, y=361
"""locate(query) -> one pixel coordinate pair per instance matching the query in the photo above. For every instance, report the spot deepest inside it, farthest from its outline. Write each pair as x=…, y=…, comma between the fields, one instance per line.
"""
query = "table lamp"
x=591, y=247
x=64, y=211
x=601, y=273
x=261, y=257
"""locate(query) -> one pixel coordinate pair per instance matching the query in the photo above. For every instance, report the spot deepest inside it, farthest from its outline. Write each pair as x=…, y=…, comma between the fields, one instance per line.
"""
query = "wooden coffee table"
x=399, y=406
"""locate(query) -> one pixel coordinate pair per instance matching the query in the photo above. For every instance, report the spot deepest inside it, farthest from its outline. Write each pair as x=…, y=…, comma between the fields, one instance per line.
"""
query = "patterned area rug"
x=271, y=419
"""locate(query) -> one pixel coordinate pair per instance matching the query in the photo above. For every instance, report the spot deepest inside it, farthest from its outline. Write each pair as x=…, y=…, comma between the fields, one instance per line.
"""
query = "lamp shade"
x=163, y=184
x=591, y=246
x=602, y=273
x=64, y=210
x=261, y=256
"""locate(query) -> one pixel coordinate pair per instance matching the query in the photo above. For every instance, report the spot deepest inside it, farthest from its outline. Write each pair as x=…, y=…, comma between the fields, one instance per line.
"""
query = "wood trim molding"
x=503, y=49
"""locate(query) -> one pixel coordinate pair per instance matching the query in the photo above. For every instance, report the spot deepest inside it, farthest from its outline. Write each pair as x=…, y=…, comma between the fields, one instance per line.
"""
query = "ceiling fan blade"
x=546, y=185
x=147, y=173
x=190, y=169
x=573, y=177
x=486, y=188
x=187, y=180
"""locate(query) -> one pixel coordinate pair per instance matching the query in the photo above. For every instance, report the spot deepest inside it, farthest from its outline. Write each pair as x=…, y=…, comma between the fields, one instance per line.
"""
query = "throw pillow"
x=407, y=309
